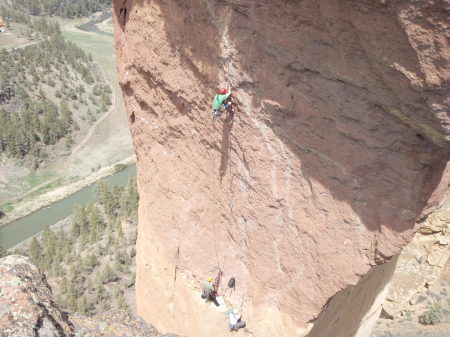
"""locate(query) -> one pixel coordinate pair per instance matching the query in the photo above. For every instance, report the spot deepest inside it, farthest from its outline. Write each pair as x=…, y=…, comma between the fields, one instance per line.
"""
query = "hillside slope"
x=29, y=309
x=337, y=151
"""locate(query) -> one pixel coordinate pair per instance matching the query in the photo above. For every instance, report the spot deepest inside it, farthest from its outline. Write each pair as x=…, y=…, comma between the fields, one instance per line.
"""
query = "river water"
x=91, y=25
x=21, y=229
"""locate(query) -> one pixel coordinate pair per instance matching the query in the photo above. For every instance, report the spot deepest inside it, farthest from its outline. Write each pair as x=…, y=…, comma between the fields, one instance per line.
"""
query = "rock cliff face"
x=27, y=307
x=423, y=261
x=337, y=152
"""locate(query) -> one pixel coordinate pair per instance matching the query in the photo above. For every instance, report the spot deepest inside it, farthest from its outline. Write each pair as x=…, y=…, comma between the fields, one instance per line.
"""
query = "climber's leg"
x=239, y=325
x=213, y=298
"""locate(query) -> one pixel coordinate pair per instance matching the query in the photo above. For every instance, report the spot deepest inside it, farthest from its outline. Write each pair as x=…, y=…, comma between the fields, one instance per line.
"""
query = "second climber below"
x=222, y=102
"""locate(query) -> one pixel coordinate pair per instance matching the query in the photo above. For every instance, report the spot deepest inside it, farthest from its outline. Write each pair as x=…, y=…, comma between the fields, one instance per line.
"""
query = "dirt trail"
x=25, y=45
x=35, y=188
x=93, y=127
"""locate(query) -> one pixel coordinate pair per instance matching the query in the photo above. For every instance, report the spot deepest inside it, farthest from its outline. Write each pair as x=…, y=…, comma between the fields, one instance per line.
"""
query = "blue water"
x=90, y=26
x=21, y=229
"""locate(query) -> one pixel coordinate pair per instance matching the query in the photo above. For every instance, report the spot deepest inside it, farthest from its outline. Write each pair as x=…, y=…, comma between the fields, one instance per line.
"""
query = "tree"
x=3, y=252
x=90, y=263
x=108, y=275
x=131, y=199
x=132, y=281
x=122, y=303
x=35, y=250
x=63, y=284
x=80, y=223
x=83, y=306
x=132, y=252
x=96, y=223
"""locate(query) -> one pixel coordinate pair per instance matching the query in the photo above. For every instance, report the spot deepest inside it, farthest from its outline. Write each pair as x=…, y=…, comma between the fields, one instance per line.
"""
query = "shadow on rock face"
x=226, y=143
x=357, y=128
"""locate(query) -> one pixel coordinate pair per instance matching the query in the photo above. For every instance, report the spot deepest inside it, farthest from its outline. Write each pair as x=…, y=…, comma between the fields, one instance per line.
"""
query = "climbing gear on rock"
x=217, y=282
x=232, y=283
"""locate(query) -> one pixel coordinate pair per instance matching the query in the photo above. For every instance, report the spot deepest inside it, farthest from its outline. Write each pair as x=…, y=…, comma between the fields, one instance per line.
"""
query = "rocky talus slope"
x=337, y=153
x=27, y=309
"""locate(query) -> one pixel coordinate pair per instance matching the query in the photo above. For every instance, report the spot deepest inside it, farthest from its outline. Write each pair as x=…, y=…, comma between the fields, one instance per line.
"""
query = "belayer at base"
x=236, y=322
x=222, y=102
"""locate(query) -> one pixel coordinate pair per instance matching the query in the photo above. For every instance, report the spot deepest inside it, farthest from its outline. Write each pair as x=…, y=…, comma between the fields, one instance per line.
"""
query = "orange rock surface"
x=337, y=151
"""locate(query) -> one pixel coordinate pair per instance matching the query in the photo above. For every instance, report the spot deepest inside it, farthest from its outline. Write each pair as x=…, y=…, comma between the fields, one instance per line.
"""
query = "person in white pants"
x=236, y=322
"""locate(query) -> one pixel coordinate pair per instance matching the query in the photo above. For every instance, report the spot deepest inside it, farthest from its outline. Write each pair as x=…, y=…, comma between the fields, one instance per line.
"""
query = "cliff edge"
x=27, y=308
x=337, y=152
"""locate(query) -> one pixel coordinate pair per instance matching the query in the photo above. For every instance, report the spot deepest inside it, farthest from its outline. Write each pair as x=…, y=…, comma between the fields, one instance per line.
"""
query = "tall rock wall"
x=337, y=151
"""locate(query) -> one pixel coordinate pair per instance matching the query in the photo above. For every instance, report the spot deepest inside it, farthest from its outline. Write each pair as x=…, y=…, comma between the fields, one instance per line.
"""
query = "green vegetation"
x=3, y=252
x=38, y=25
x=119, y=167
x=63, y=8
x=90, y=263
x=432, y=316
x=52, y=80
x=421, y=298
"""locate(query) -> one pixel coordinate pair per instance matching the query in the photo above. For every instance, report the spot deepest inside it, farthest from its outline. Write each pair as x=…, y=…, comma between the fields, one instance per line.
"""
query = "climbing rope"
x=216, y=243
x=218, y=225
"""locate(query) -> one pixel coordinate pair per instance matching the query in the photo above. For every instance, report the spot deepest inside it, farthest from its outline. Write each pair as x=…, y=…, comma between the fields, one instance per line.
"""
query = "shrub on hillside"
x=119, y=167
x=432, y=316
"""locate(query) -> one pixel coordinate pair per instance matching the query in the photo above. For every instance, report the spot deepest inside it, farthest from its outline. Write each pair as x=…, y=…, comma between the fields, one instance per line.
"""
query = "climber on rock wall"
x=222, y=102
x=209, y=293
x=235, y=322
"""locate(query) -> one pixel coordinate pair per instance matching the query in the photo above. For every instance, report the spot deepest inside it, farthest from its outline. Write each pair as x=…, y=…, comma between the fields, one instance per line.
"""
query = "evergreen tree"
x=132, y=252
x=96, y=224
x=83, y=306
x=3, y=252
x=131, y=199
x=80, y=224
x=101, y=293
x=35, y=250
x=90, y=263
x=63, y=285
x=122, y=303
x=108, y=275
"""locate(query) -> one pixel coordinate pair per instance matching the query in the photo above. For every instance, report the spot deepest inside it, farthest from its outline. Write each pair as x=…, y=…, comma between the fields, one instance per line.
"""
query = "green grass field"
x=101, y=48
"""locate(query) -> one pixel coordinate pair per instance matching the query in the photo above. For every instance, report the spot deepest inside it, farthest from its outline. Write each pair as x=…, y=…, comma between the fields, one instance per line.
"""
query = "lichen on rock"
x=27, y=307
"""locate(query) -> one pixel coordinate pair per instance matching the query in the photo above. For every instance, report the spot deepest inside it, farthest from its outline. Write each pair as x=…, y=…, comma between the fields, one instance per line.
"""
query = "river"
x=21, y=229
x=91, y=25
